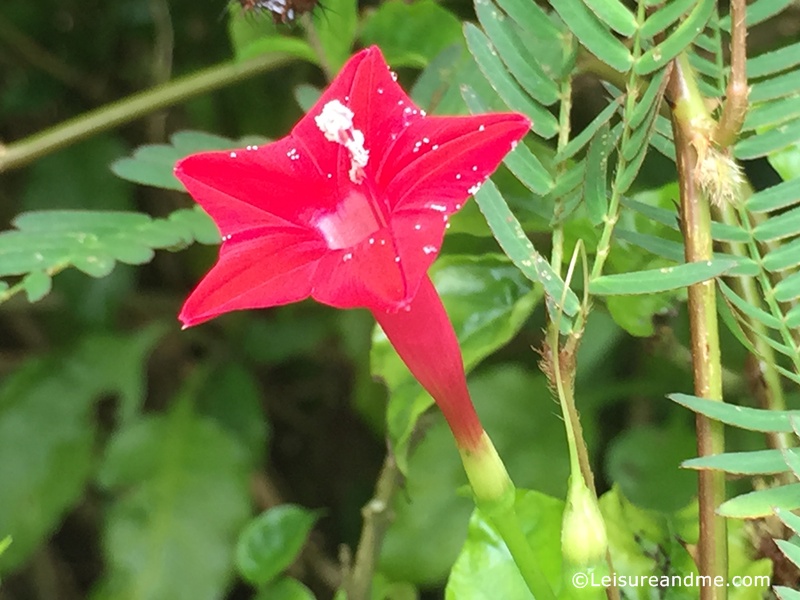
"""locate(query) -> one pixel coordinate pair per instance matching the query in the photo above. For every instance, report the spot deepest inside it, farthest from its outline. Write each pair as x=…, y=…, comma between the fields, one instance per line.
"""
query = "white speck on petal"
x=514, y=144
x=426, y=140
x=397, y=259
x=458, y=175
x=474, y=189
x=347, y=257
x=422, y=112
x=292, y=154
x=482, y=128
x=435, y=147
x=438, y=207
x=233, y=154
x=429, y=249
x=394, y=75
x=400, y=103
x=383, y=242
x=417, y=226
x=458, y=206
x=371, y=241
x=447, y=226
x=474, y=167
x=336, y=123
x=380, y=90
x=330, y=175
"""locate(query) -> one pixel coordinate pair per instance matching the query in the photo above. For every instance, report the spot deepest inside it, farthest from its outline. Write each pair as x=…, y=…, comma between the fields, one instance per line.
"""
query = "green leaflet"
x=659, y=280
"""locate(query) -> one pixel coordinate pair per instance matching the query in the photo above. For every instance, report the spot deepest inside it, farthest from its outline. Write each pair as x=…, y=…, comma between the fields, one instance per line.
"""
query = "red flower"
x=349, y=209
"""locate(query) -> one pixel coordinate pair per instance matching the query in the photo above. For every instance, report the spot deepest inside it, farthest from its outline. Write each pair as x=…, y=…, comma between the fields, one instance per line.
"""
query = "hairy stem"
x=690, y=124
x=40, y=144
x=735, y=107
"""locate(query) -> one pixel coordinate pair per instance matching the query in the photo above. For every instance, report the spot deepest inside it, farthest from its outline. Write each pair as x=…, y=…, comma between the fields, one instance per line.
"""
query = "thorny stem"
x=735, y=107
x=377, y=514
x=40, y=144
x=691, y=126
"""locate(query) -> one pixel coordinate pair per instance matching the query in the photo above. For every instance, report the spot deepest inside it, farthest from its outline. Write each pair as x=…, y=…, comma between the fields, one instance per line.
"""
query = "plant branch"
x=377, y=516
x=22, y=152
x=691, y=125
x=735, y=107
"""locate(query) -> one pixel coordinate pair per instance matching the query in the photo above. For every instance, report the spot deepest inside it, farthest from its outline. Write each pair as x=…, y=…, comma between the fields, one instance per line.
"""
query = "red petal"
x=437, y=162
x=273, y=185
x=381, y=110
x=424, y=339
x=274, y=267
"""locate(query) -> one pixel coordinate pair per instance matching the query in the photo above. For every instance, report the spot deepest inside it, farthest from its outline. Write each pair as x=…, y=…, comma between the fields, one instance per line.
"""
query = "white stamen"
x=336, y=124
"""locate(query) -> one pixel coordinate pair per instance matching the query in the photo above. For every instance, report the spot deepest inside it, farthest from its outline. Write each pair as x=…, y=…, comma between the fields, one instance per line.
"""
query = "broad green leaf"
x=762, y=502
x=654, y=480
x=154, y=164
x=181, y=492
x=411, y=34
x=487, y=300
x=335, y=28
x=520, y=250
x=678, y=40
x=659, y=280
x=743, y=417
x=515, y=55
x=485, y=569
x=272, y=541
x=285, y=588
x=595, y=179
x=37, y=285
x=593, y=34
x=758, y=462
x=495, y=72
x=48, y=428
x=614, y=14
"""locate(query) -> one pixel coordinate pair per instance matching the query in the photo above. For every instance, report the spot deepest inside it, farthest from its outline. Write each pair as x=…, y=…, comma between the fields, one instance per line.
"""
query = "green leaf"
x=48, y=428
x=743, y=417
x=485, y=569
x=659, y=280
x=758, y=462
x=154, y=164
x=762, y=503
x=769, y=63
x=791, y=550
x=595, y=178
x=411, y=34
x=781, y=226
x=785, y=593
x=593, y=34
x=791, y=520
x=658, y=56
x=181, y=492
x=37, y=285
x=487, y=300
x=614, y=14
x=285, y=588
x=776, y=197
x=757, y=12
x=512, y=239
x=514, y=53
x=272, y=541
x=664, y=17
x=768, y=142
x=495, y=72
x=335, y=28
x=775, y=87
x=654, y=480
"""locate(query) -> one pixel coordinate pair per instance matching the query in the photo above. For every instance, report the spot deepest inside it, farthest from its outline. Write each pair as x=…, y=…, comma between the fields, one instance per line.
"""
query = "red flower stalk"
x=350, y=209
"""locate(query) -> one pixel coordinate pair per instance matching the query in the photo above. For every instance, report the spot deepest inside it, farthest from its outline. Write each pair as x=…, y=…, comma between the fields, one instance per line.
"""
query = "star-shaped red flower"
x=350, y=208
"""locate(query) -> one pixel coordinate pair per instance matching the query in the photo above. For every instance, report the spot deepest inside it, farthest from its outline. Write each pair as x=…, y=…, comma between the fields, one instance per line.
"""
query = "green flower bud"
x=583, y=534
